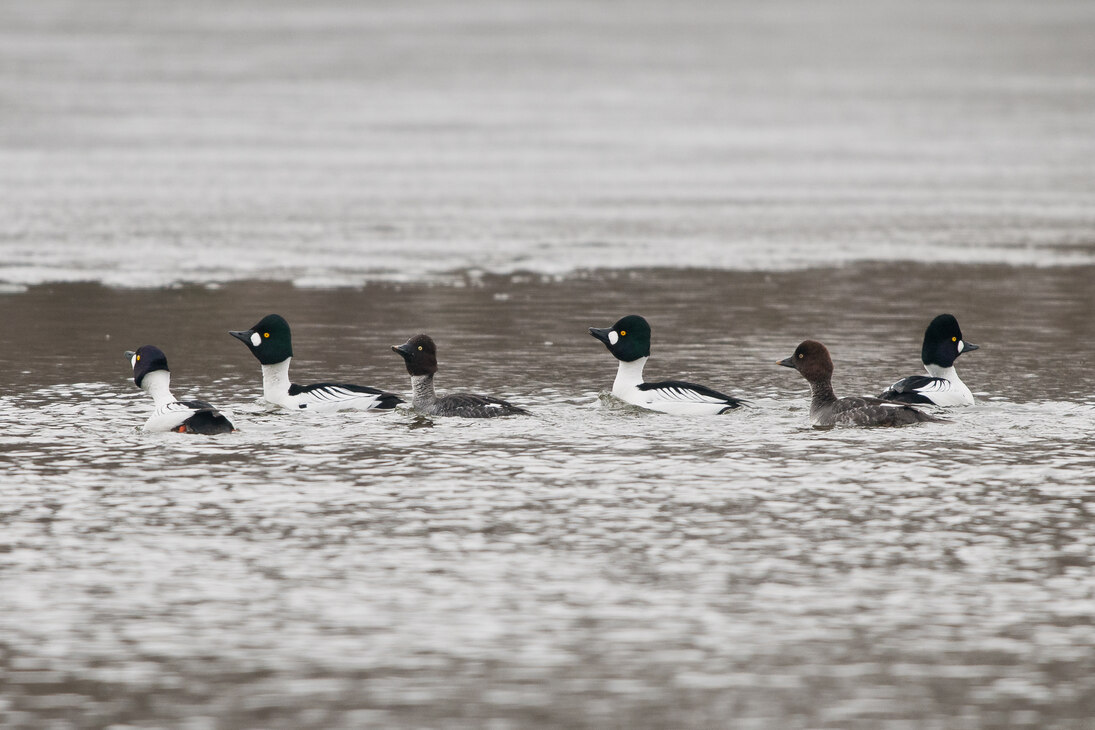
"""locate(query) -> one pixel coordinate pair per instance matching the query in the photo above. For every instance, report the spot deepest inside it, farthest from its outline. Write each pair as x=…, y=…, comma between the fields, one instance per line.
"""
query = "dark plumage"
x=206, y=420
x=632, y=344
x=420, y=356
x=909, y=390
x=270, y=340
x=813, y=362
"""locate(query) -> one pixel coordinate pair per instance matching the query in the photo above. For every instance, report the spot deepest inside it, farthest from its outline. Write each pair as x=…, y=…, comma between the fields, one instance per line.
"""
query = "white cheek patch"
x=961, y=345
x=255, y=339
x=613, y=338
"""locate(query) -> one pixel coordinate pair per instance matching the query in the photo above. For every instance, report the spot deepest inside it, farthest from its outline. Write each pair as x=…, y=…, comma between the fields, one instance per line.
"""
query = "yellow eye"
x=138, y=358
x=420, y=347
x=801, y=355
x=623, y=333
x=954, y=339
x=265, y=334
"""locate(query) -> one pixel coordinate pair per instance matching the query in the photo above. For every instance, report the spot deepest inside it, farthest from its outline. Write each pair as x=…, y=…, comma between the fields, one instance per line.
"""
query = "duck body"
x=675, y=397
x=940, y=387
x=864, y=411
x=464, y=405
x=321, y=397
x=189, y=416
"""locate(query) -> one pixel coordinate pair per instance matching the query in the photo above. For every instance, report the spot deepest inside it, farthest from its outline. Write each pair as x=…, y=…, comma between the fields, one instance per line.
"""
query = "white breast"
x=949, y=390
x=947, y=393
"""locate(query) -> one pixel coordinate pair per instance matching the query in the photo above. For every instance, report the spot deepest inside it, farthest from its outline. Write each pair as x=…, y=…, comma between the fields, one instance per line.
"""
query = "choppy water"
x=502, y=176
x=590, y=566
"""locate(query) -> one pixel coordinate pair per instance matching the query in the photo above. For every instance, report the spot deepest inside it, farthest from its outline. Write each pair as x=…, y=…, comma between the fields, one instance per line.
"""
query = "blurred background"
x=330, y=143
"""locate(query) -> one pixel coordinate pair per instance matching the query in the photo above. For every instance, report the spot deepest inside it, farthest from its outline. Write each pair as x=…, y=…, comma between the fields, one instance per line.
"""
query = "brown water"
x=502, y=176
x=593, y=565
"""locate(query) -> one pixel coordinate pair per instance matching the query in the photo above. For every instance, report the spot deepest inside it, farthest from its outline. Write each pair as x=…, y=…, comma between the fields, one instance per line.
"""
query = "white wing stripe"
x=334, y=394
x=685, y=395
x=935, y=386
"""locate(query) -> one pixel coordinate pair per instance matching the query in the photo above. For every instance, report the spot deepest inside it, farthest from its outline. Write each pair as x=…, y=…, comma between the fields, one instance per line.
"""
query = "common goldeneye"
x=813, y=362
x=943, y=344
x=420, y=355
x=629, y=342
x=272, y=344
x=151, y=375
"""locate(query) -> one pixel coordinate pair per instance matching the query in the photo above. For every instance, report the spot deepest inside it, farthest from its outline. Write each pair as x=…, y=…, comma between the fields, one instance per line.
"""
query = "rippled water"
x=503, y=176
x=593, y=565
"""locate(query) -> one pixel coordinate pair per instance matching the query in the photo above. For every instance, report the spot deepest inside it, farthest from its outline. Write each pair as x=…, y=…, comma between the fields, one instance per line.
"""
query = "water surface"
x=503, y=176
x=592, y=565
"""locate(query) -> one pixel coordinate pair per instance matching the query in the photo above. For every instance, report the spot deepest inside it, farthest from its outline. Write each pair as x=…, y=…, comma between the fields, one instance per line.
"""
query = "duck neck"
x=938, y=371
x=275, y=381
x=629, y=375
x=422, y=394
x=158, y=385
x=822, y=392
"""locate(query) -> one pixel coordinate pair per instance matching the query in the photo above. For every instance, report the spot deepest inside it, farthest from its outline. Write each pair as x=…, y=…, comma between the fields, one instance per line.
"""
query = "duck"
x=271, y=342
x=419, y=354
x=812, y=361
x=151, y=374
x=629, y=342
x=943, y=343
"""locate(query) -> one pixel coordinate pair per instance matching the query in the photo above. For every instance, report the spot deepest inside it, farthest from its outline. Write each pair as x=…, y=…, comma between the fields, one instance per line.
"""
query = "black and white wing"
x=930, y=390
x=193, y=416
x=916, y=389
x=679, y=397
x=336, y=396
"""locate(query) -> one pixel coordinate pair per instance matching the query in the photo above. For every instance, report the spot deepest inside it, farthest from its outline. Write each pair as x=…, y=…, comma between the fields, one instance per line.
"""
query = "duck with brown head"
x=813, y=362
x=420, y=356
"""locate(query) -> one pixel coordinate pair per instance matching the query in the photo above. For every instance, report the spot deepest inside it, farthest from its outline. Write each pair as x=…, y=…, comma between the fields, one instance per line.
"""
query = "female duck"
x=813, y=363
x=420, y=355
